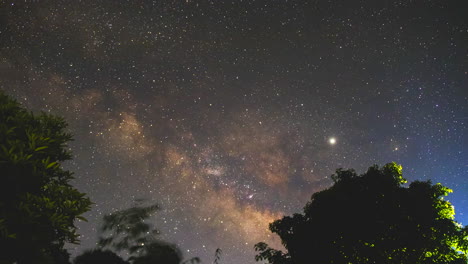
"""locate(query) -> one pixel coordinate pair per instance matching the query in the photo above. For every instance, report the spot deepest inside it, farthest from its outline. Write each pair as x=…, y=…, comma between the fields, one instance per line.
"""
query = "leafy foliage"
x=218, y=253
x=128, y=231
x=38, y=206
x=158, y=252
x=372, y=218
x=99, y=256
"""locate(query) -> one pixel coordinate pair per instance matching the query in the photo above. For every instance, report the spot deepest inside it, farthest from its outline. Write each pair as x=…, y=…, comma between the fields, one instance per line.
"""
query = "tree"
x=38, y=206
x=98, y=256
x=158, y=252
x=371, y=218
x=128, y=231
x=218, y=253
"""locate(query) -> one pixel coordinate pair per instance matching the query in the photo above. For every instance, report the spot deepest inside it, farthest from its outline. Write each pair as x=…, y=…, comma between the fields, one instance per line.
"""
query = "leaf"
x=41, y=148
x=51, y=164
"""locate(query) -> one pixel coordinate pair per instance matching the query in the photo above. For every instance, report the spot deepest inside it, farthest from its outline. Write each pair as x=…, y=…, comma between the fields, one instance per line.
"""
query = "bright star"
x=332, y=141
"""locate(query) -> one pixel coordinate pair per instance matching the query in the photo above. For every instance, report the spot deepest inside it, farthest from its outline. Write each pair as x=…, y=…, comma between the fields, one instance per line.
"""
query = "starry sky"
x=223, y=111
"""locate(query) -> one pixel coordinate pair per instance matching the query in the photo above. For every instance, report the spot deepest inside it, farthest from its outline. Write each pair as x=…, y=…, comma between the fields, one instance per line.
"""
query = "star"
x=332, y=141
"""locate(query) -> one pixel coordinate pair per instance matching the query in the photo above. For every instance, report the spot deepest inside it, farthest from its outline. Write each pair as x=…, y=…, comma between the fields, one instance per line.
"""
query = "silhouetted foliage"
x=371, y=218
x=217, y=256
x=38, y=206
x=98, y=256
x=193, y=260
x=159, y=252
x=127, y=230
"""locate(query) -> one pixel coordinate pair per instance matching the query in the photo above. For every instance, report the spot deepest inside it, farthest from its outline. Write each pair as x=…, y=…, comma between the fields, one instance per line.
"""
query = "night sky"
x=230, y=114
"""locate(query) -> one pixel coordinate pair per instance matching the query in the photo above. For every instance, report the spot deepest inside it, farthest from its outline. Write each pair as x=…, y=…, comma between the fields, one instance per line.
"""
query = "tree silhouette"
x=38, y=206
x=98, y=256
x=158, y=252
x=217, y=256
x=371, y=218
x=128, y=231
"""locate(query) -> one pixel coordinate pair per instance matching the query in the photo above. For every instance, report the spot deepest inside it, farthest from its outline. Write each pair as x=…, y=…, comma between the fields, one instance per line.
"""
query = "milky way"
x=223, y=112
